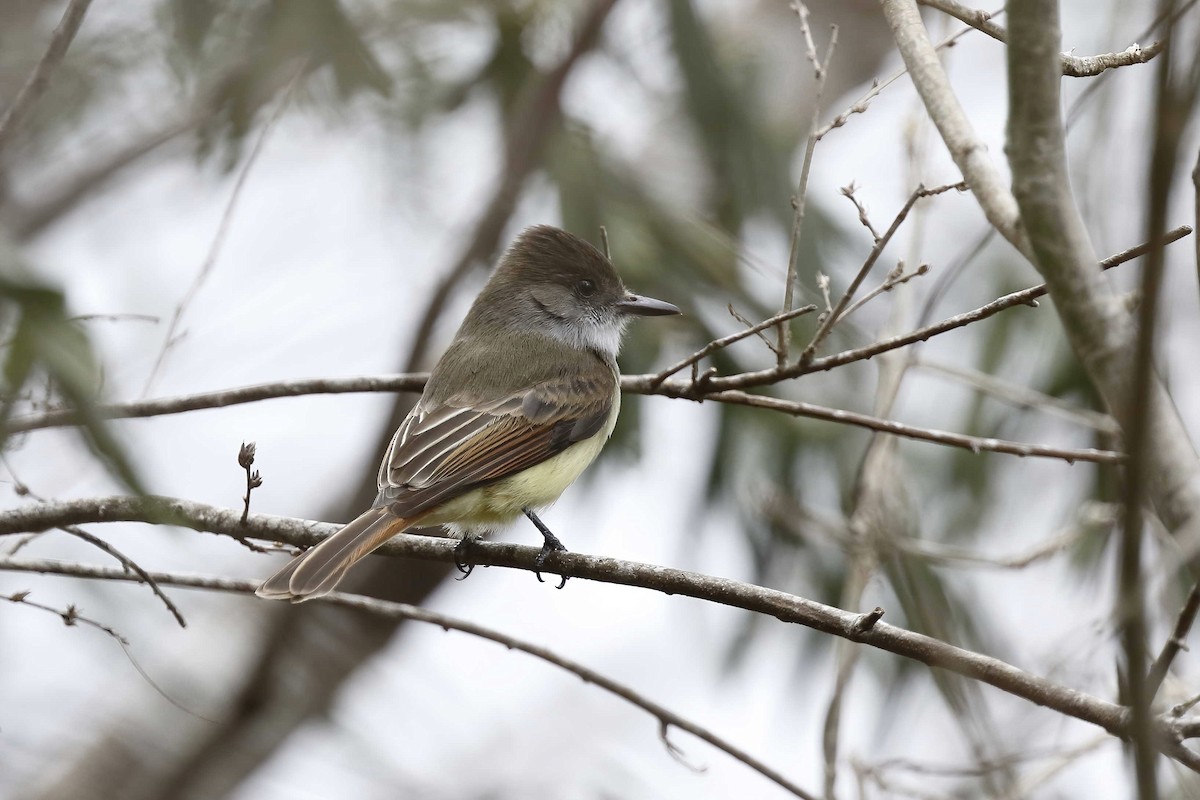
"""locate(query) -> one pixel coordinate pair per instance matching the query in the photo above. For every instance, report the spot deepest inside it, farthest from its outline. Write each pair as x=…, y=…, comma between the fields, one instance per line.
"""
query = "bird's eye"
x=585, y=287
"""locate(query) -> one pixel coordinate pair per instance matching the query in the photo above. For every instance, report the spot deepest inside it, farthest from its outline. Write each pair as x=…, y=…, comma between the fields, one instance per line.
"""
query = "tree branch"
x=783, y=606
x=43, y=72
x=1072, y=66
x=404, y=611
x=984, y=180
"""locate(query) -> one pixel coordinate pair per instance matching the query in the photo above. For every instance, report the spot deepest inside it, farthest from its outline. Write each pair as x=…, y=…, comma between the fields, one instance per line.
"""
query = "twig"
x=39, y=79
x=881, y=242
x=725, y=341
x=69, y=615
x=821, y=73
x=227, y=397
x=130, y=565
x=1024, y=397
x=214, y=249
x=1196, y=211
x=115, y=318
x=975, y=444
x=860, y=105
x=1072, y=66
x=1025, y=297
x=897, y=277
x=990, y=188
x=391, y=610
x=1175, y=643
x=849, y=193
x=253, y=479
x=733, y=312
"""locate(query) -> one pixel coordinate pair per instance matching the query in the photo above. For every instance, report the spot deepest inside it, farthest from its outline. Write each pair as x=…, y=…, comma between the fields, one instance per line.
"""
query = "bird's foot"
x=551, y=544
x=461, y=554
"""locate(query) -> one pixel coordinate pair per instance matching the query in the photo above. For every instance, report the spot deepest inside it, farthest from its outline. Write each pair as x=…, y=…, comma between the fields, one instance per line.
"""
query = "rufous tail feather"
x=317, y=571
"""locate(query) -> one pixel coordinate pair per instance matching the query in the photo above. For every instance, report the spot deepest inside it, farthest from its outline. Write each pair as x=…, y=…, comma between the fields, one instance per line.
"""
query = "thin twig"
x=1024, y=397
x=1072, y=66
x=762, y=337
x=849, y=192
x=881, y=242
x=1026, y=297
x=821, y=73
x=897, y=277
x=391, y=610
x=1175, y=643
x=39, y=79
x=141, y=409
x=130, y=565
x=70, y=615
x=860, y=105
x=725, y=341
x=975, y=444
x=253, y=479
x=214, y=250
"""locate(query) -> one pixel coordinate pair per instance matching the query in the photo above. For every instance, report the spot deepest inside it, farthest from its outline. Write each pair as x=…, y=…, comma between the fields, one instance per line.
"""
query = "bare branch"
x=1025, y=297
x=821, y=72
x=225, y=397
x=70, y=615
x=1175, y=643
x=129, y=565
x=39, y=80
x=783, y=606
x=1072, y=66
x=391, y=610
x=985, y=181
x=860, y=105
x=786, y=607
x=1024, y=397
x=975, y=444
x=881, y=242
x=214, y=249
x=725, y=341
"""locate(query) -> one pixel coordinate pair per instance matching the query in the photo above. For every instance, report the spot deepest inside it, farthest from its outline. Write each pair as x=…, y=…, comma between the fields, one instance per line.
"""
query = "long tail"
x=317, y=571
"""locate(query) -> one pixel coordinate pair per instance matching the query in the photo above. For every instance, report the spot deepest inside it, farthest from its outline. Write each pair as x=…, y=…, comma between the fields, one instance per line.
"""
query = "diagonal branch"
x=984, y=180
x=404, y=611
x=1072, y=66
x=781, y=605
x=43, y=72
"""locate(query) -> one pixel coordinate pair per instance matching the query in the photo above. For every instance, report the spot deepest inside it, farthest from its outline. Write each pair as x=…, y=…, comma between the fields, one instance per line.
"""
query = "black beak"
x=646, y=307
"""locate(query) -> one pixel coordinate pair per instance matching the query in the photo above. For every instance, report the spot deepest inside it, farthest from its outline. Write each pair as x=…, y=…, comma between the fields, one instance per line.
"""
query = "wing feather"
x=443, y=452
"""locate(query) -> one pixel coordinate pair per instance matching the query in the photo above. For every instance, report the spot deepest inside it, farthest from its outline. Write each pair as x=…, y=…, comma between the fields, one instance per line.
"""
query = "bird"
x=519, y=405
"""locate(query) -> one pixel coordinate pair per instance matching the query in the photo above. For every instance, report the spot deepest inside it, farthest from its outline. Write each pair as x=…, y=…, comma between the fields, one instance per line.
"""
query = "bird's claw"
x=551, y=545
x=460, y=556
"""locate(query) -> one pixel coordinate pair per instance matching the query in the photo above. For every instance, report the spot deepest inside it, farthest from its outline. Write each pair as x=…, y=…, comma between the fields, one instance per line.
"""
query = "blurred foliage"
x=43, y=343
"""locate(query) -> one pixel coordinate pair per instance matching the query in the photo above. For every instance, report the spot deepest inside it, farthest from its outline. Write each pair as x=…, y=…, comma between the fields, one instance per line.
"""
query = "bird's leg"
x=461, y=554
x=550, y=545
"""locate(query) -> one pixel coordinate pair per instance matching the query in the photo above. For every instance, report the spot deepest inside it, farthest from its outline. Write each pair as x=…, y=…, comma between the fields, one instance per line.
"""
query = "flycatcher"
x=520, y=404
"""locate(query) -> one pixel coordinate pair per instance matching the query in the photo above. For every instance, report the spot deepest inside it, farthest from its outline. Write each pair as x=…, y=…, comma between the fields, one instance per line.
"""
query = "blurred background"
x=214, y=194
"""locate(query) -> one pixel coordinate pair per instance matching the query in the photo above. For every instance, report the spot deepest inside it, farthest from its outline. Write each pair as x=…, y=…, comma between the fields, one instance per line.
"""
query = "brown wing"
x=440, y=453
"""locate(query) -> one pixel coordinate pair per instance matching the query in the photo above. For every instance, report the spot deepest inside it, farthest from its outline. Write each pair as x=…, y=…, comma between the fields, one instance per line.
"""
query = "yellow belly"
x=536, y=487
